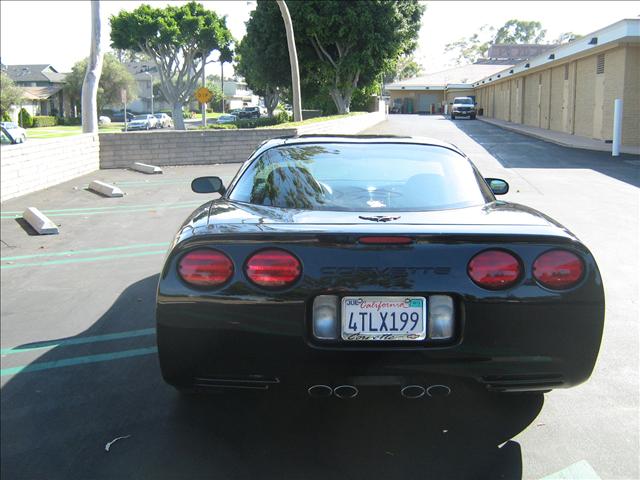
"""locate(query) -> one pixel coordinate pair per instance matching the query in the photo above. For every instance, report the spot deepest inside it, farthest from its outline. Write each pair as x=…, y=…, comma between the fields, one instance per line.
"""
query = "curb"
x=40, y=222
x=105, y=189
x=144, y=168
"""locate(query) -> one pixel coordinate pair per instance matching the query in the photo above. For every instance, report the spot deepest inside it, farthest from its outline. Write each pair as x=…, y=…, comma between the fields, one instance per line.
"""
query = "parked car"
x=5, y=137
x=16, y=132
x=249, y=112
x=164, y=120
x=104, y=120
x=331, y=265
x=463, y=107
x=119, y=116
x=227, y=119
x=142, y=122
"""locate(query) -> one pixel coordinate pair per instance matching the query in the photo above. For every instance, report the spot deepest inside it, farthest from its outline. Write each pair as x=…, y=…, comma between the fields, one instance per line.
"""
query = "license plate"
x=384, y=318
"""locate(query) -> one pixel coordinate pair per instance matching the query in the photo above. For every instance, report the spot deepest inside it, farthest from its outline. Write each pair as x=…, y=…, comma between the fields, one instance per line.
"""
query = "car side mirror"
x=497, y=185
x=208, y=185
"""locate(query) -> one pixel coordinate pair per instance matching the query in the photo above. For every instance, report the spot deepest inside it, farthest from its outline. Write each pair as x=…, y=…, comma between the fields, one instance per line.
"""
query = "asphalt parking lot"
x=78, y=347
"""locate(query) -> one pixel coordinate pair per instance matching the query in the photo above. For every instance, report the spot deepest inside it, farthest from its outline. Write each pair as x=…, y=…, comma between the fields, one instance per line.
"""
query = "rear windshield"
x=360, y=177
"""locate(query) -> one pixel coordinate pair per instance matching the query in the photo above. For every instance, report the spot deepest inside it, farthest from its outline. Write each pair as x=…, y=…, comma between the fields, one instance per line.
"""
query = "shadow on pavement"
x=56, y=422
x=514, y=150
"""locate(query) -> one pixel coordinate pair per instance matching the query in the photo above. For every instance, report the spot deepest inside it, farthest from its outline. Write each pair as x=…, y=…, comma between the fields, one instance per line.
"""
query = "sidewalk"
x=560, y=138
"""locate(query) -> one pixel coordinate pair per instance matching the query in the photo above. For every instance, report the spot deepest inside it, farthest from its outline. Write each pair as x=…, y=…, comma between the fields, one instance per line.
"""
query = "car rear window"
x=360, y=177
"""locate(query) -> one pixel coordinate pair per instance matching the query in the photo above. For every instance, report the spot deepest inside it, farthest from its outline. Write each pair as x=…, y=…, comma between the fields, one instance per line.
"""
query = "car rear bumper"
x=506, y=347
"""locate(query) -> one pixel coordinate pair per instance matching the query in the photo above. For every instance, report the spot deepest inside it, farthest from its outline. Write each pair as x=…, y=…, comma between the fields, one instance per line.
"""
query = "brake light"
x=494, y=269
x=385, y=240
x=558, y=269
x=205, y=268
x=273, y=268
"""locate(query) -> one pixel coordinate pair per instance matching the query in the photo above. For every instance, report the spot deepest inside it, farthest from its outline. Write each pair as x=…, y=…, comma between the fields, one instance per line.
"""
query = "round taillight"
x=273, y=268
x=494, y=269
x=205, y=268
x=558, y=269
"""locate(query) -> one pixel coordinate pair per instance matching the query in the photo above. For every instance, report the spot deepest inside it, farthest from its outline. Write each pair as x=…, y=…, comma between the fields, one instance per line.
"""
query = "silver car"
x=142, y=122
x=164, y=120
x=16, y=132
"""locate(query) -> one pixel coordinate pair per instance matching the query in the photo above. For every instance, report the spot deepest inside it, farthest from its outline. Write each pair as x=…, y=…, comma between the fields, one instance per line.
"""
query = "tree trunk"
x=178, y=119
x=342, y=99
x=92, y=77
x=271, y=99
x=293, y=60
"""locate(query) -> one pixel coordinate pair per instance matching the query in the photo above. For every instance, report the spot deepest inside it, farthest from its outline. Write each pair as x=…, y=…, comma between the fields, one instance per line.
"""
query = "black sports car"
x=335, y=263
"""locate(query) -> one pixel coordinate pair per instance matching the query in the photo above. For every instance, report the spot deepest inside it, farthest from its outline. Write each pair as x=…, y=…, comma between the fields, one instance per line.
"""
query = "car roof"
x=363, y=139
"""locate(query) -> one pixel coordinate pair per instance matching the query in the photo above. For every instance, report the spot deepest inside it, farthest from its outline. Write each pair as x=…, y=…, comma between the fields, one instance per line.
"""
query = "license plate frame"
x=375, y=305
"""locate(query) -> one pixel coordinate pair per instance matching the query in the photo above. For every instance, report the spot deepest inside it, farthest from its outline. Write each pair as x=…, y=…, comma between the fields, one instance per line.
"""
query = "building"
x=571, y=88
x=430, y=93
x=42, y=85
x=567, y=88
x=238, y=95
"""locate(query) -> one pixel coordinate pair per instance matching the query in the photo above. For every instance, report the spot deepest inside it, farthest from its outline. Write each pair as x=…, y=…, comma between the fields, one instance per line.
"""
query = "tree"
x=520, y=31
x=217, y=98
x=405, y=67
x=114, y=78
x=10, y=93
x=347, y=44
x=92, y=75
x=262, y=55
x=179, y=39
x=473, y=48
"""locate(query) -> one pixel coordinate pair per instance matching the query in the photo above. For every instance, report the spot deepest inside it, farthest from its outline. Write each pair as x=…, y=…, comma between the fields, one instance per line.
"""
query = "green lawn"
x=67, y=131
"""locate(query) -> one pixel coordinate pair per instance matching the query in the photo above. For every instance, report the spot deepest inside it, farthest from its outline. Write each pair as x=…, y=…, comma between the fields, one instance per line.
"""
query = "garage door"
x=425, y=101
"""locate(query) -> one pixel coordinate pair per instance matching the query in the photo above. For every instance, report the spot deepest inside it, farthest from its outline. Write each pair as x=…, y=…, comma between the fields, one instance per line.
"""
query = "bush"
x=24, y=119
x=223, y=126
x=44, y=121
x=69, y=121
x=5, y=116
x=258, y=122
x=282, y=117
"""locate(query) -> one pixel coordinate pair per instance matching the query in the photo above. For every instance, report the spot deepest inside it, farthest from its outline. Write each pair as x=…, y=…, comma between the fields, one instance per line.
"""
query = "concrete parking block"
x=40, y=222
x=105, y=189
x=144, y=168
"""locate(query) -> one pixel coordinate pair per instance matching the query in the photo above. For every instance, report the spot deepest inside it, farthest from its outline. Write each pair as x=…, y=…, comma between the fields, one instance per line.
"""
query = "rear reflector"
x=273, y=268
x=205, y=268
x=558, y=269
x=494, y=269
x=385, y=240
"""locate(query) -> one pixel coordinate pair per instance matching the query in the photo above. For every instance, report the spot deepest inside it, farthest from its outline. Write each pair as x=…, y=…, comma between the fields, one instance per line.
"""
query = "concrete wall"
x=39, y=164
x=572, y=97
x=196, y=147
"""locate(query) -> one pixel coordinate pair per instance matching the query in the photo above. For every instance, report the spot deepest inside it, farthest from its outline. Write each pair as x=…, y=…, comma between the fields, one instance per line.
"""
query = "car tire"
x=453, y=117
x=473, y=116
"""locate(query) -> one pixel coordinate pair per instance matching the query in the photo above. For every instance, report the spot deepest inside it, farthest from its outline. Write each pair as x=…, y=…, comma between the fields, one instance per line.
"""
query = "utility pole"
x=204, y=105
x=293, y=60
x=92, y=77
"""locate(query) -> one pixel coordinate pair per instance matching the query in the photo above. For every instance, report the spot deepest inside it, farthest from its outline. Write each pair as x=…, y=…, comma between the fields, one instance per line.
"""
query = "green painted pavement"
x=81, y=260
x=82, y=252
x=78, y=341
x=68, y=362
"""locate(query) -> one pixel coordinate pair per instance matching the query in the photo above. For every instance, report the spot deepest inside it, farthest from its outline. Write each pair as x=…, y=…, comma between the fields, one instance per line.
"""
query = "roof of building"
x=34, y=73
x=626, y=30
x=465, y=74
x=40, y=93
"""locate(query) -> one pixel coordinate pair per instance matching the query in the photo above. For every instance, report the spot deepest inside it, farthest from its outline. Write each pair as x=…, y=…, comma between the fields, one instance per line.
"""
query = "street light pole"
x=151, y=83
x=293, y=59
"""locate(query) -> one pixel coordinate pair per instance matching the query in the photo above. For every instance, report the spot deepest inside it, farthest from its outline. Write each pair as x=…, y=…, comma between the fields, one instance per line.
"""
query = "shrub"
x=282, y=117
x=257, y=122
x=24, y=119
x=69, y=121
x=5, y=116
x=44, y=121
x=223, y=126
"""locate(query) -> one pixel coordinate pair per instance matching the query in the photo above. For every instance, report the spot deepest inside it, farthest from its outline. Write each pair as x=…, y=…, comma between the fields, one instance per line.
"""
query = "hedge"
x=69, y=121
x=44, y=121
x=222, y=126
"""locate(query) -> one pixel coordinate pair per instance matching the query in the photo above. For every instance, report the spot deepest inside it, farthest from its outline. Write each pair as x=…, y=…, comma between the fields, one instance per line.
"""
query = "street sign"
x=123, y=95
x=204, y=95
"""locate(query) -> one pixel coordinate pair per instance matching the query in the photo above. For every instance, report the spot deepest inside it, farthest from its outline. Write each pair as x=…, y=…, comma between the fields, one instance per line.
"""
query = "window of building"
x=600, y=64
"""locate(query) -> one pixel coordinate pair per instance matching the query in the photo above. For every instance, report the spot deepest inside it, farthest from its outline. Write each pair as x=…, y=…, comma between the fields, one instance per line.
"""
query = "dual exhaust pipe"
x=350, y=391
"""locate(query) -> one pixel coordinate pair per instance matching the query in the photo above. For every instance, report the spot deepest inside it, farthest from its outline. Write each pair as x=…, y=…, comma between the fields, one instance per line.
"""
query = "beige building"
x=570, y=88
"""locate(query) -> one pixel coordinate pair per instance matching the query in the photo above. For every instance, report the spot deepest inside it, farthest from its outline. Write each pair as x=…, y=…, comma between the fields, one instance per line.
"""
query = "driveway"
x=596, y=196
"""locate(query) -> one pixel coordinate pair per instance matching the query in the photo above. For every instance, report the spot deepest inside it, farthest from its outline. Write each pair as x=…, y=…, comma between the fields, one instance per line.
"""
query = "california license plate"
x=384, y=318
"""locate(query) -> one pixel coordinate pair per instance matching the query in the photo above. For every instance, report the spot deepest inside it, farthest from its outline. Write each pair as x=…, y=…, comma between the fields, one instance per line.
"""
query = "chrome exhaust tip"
x=320, y=391
x=345, y=391
x=438, y=391
x=413, y=391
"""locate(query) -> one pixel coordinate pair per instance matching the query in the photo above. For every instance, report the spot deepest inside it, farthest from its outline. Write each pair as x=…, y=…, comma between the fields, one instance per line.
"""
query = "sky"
x=58, y=32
